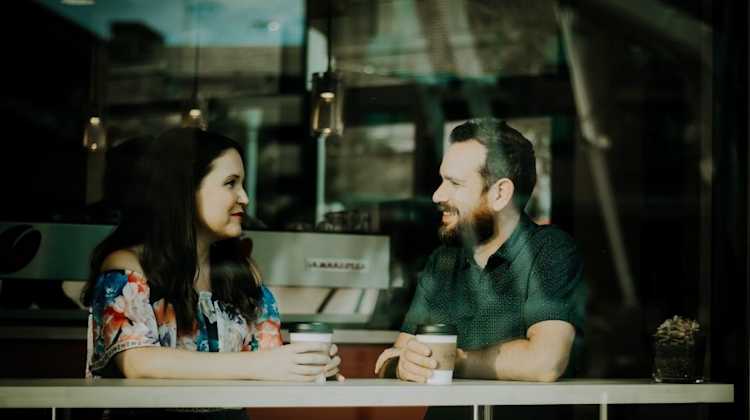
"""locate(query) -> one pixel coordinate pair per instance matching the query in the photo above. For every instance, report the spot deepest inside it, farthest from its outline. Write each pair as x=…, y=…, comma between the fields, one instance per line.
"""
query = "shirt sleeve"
x=121, y=318
x=556, y=288
x=268, y=323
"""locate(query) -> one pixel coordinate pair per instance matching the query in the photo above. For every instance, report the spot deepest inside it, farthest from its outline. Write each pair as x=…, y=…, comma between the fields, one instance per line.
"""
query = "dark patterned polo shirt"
x=536, y=275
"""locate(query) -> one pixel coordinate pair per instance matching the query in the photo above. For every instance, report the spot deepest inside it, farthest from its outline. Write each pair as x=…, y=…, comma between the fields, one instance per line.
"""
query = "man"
x=513, y=289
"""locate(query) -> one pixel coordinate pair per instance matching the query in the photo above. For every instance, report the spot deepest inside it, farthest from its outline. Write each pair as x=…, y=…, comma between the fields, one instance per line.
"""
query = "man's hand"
x=408, y=360
x=415, y=363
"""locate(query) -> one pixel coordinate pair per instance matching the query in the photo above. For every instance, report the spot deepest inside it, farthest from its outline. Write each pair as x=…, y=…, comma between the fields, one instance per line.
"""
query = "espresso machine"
x=315, y=276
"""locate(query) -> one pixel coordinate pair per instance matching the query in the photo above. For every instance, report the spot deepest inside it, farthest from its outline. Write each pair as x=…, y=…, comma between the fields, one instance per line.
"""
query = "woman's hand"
x=297, y=362
x=332, y=369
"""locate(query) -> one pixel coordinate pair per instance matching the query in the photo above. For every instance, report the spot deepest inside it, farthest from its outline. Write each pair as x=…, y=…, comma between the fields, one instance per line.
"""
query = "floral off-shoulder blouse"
x=124, y=314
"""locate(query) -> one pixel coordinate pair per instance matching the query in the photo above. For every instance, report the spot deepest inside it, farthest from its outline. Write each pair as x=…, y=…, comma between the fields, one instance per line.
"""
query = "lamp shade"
x=95, y=135
x=327, y=103
x=193, y=117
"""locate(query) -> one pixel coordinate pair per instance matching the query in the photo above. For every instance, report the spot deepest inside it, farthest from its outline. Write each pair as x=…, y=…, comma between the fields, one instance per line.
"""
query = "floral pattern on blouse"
x=123, y=317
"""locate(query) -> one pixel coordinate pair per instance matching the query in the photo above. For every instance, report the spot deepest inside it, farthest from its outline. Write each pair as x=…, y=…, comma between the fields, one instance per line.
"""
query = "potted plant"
x=679, y=345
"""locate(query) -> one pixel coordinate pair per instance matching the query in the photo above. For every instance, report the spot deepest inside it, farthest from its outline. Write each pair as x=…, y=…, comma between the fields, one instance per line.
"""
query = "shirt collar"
x=509, y=250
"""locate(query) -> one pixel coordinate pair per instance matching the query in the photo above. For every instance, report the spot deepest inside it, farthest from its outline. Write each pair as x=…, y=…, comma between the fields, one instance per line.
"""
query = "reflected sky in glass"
x=218, y=22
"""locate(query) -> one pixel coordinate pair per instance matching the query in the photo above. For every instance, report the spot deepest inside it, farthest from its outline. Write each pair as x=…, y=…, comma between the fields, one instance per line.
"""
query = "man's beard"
x=475, y=229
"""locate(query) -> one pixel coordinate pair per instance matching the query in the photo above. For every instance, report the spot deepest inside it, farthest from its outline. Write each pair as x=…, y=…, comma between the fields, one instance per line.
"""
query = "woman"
x=171, y=291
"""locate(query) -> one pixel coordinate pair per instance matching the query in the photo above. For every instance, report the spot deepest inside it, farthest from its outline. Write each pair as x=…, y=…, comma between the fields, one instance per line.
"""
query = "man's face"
x=467, y=216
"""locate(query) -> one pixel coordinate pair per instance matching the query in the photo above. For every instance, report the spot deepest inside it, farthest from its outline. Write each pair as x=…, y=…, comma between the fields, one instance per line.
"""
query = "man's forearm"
x=542, y=356
x=511, y=360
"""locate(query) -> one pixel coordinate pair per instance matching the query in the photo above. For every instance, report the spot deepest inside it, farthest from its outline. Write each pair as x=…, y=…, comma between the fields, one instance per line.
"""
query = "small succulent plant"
x=678, y=351
x=677, y=331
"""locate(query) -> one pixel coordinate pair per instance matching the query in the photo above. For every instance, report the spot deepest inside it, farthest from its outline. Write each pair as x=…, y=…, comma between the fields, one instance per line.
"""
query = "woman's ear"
x=500, y=194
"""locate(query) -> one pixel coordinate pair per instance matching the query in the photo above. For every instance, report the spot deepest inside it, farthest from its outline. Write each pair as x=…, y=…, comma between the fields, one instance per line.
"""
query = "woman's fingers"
x=312, y=359
x=308, y=370
x=302, y=378
x=331, y=371
x=310, y=347
x=335, y=362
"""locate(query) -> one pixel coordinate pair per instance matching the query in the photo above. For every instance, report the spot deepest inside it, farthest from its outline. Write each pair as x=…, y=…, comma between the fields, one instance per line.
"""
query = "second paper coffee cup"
x=312, y=332
x=441, y=339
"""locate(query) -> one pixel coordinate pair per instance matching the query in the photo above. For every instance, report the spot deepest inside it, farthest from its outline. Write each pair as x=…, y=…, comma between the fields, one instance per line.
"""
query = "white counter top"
x=71, y=393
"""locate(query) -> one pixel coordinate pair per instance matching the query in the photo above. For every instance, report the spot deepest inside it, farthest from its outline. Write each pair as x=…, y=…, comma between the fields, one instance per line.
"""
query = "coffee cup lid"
x=437, y=329
x=311, y=327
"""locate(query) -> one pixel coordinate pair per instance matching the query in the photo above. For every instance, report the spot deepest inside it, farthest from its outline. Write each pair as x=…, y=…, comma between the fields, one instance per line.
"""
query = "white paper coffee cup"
x=312, y=332
x=442, y=340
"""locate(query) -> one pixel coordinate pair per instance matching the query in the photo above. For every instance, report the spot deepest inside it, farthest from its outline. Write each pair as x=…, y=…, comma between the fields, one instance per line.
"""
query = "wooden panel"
x=42, y=358
x=343, y=413
x=358, y=360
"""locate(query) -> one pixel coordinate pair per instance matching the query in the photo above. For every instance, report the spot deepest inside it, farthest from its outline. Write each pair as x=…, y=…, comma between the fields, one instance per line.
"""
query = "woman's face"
x=221, y=198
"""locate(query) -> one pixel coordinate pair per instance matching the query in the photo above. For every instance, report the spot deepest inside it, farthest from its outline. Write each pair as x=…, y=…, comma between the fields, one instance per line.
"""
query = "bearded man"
x=513, y=289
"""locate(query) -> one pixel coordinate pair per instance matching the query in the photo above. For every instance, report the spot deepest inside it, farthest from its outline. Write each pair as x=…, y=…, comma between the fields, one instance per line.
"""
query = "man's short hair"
x=509, y=155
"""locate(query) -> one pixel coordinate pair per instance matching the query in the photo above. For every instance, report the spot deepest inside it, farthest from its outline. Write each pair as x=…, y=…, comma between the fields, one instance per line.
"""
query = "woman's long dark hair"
x=161, y=216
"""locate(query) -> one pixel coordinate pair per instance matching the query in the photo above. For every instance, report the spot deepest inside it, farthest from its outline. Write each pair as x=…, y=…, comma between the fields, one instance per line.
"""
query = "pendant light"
x=327, y=98
x=95, y=132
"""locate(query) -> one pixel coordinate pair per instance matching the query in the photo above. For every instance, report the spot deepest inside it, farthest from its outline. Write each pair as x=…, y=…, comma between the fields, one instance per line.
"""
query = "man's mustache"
x=447, y=208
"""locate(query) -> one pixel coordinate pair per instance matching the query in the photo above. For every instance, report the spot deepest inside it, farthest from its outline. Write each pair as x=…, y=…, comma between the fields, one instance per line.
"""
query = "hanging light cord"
x=329, y=31
x=196, y=65
x=93, y=97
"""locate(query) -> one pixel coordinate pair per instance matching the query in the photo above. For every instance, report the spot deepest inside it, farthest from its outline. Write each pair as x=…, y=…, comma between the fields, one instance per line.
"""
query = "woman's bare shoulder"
x=123, y=259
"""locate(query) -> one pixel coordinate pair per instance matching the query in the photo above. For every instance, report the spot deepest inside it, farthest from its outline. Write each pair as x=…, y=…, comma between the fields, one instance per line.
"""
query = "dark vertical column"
x=44, y=80
x=309, y=147
x=729, y=341
x=428, y=141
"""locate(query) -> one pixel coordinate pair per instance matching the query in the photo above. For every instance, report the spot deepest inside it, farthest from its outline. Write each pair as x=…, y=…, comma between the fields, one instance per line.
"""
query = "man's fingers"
x=417, y=347
x=420, y=360
x=333, y=350
x=386, y=355
x=407, y=374
x=416, y=370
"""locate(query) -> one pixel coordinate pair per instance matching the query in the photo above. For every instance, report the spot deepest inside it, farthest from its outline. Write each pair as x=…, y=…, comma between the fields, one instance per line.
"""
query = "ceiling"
x=250, y=47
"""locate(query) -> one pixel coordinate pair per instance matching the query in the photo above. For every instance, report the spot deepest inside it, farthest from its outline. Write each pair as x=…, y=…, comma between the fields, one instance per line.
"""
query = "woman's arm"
x=301, y=362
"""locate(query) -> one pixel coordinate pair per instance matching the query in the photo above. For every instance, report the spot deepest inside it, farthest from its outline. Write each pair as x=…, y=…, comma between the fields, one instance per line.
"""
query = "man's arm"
x=542, y=356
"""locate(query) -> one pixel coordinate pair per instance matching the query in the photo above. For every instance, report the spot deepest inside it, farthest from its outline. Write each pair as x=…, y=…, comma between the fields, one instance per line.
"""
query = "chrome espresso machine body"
x=332, y=277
